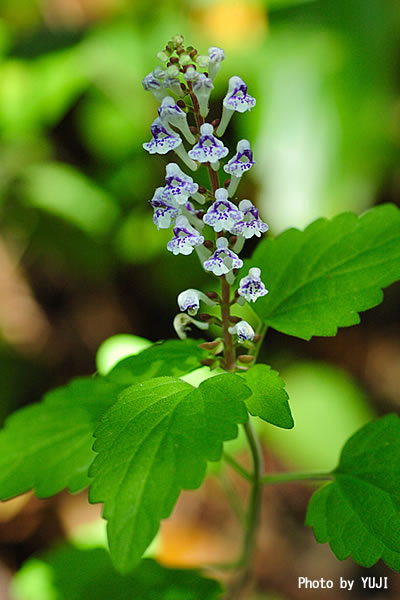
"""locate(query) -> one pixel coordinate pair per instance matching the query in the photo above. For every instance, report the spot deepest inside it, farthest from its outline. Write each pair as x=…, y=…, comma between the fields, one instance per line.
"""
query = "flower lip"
x=251, y=287
x=179, y=185
x=250, y=224
x=163, y=140
x=185, y=237
x=223, y=260
x=242, y=161
x=208, y=147
x=237, y=97
x=243, y=330
x=222, y=214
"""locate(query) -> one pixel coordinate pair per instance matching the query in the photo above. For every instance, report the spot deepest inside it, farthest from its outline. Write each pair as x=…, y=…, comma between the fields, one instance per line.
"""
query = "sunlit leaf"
x=154, y=442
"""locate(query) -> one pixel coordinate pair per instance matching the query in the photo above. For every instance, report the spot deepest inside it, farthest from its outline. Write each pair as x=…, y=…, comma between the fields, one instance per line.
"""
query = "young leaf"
x=359, y=512
x=89, y=575
x=154, y=442
x=268, y=400
x=173, y=357
x=321, y=278
x=48, y=446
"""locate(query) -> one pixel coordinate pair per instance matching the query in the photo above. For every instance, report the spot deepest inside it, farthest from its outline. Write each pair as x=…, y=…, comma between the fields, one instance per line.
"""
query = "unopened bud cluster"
x=183, y=84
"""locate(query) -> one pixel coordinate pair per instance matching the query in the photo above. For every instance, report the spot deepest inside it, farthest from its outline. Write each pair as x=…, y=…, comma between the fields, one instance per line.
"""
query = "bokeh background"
x=80, y=259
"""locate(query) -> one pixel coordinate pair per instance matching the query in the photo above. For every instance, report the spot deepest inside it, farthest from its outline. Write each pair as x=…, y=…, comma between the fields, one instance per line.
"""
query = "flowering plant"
x=154, y=430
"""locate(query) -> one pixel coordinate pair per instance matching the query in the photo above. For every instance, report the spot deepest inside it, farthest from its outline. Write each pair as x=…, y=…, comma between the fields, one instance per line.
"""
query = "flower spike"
x=223, y=214
x=239, y=164
x=190, y=300
x=216, y=56
x=163, y=140
x=165, y=211
x=223, y=260
x=251, y=287
x=237, y=99
x=243, y=330
x=185, y=237
x=202, y=88
x=208, y=148
x=169, y=112
x=251, y=224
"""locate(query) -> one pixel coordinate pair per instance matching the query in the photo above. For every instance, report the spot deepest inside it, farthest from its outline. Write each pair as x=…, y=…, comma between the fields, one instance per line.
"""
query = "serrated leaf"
x=319, y=279
x=48, y=446
x=172, y=357
x=268, y=400
x=359, y=512
x=89, y=575
x=154, y=442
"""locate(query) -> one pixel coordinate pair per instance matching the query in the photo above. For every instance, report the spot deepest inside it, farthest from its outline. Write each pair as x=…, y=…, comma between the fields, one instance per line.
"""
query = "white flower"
x=179, y=186
x=182, y=323
x=190, y=300
x=163, y=140
x=243, y=330
x=223, y=260
x=250, y=224
x=222, y=214
x=202, y=88
x=236, y=99
x=165, y=210
x=185, y=237
x=170, y=112
x=251, y=287
x=208, y=148
x=216, y=56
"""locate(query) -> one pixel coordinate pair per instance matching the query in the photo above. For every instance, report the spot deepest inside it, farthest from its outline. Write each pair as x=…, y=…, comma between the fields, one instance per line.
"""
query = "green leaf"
x=152, y=443
x=319, y=279
x=74, y=574
x=268, y=400
x=359, y=512
x=48, y=446
x=172, y=357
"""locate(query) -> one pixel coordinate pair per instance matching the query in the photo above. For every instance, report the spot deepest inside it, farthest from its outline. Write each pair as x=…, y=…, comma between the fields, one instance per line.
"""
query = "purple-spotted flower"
x=191, y=74
x=237, y=99
x=208, y=148
x=250, y=224
x=251, y=287
x=163, y=140
x=165, y=210
x=189, y=301
x=216, y=56
x=222, y=214
x=185, y=237
x=243, y=330
x=179, y=186
x=202, y=88
x=223, y=260
x=241, y=162
x=169, y=112
x=153, y=84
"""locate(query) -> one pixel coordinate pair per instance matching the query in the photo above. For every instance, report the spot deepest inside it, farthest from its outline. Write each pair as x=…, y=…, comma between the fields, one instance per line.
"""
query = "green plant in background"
x=155, y=431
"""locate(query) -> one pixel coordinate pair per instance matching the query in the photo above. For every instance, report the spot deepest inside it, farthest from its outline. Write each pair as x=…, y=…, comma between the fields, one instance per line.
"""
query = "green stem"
x=288, y=477
x=256, y=492
x=238, y=467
